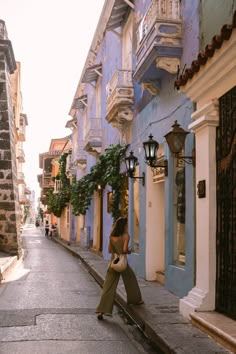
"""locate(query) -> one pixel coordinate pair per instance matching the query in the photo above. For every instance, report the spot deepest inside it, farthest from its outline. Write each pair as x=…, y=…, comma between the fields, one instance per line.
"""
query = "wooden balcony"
x=20, y=155
x=21, y=133
x=120, y=98
x=93, y=136
x=57, y=186
x=159, y=43
x=47, y=182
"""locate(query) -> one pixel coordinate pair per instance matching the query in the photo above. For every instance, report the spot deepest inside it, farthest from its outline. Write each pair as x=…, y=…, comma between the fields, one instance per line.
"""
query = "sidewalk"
x=6, y=264
x=159, y=317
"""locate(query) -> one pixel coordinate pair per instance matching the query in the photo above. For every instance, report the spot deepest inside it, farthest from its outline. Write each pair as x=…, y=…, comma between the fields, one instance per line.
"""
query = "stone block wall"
x=9, y=200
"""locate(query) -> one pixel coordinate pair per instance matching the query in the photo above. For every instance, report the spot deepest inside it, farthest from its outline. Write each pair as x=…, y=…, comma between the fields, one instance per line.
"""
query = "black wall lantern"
x=176, y=141
x=150, y=148
x=131, y=162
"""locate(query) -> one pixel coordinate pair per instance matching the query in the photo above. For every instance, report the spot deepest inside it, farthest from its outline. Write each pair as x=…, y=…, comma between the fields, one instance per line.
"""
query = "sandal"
x=100, y=316
x=141, y=302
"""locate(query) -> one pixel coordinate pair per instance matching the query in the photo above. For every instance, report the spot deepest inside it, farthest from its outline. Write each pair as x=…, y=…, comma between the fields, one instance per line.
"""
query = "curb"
x=133, y=315
x=7, y=267
x=162, y=341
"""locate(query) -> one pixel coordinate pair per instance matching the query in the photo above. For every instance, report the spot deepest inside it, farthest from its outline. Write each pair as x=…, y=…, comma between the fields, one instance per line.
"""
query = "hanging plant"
x=105, y=172
x=57, y=201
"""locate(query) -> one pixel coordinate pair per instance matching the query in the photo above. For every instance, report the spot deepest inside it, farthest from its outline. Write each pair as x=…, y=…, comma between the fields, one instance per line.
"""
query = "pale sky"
x=51, y=39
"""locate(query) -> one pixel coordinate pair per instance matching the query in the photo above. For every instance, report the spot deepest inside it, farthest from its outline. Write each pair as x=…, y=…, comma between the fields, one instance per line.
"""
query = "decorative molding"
x=206, y=115
x=168, y=64
x=152, y=86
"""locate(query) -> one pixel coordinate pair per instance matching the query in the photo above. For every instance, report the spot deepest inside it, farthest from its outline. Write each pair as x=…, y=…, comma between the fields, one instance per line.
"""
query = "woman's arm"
x=126, y=242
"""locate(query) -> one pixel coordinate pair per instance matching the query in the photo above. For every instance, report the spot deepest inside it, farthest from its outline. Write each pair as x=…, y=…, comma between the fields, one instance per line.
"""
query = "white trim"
x=212, y=81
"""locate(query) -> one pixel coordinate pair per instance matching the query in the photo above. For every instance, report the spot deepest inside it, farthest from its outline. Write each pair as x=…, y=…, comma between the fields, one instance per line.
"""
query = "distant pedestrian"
x=46, y=228
x=119, y=240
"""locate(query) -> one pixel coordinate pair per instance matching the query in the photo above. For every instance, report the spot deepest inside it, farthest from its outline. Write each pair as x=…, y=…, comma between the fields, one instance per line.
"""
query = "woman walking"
x=119, y=240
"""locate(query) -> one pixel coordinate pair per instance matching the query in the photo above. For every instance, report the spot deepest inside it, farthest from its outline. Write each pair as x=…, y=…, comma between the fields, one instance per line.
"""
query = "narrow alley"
x=47, y=305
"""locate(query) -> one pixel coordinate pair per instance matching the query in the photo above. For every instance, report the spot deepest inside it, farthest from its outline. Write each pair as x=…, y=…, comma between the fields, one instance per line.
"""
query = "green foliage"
x=57, y=201
x=79, y=193
x=105, y=172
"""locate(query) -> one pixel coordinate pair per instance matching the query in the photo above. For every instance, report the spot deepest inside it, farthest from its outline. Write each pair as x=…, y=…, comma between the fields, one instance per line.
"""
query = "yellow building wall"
x=64, y=224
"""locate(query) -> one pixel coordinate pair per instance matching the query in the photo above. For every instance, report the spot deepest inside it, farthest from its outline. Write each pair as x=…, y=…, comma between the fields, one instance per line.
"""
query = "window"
x=179, y=215
x=136, y=220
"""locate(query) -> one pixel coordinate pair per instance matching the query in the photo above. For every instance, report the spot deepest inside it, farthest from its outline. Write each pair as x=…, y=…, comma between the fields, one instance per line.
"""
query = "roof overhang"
x=71, y=124
x=92, y=73
x=113, y=14
x=119, y=13
x=49, y=154
x=211, y=50
x=80, y=102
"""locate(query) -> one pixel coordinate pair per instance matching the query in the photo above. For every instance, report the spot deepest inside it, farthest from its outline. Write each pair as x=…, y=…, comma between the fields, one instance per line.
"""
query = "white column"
x=202, y=296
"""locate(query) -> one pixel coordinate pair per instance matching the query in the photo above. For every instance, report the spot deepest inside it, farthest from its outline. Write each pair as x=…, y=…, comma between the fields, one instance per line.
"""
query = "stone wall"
x=9, y=199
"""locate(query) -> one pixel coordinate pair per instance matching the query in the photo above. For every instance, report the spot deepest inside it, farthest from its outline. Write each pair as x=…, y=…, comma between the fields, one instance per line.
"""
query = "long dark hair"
x=119, y=227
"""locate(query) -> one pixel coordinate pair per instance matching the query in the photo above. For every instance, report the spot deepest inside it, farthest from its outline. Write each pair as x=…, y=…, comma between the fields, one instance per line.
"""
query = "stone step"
x=221, y=328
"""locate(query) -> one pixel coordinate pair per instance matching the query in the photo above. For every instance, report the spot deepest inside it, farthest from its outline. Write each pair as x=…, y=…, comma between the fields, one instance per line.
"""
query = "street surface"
x=48, y=302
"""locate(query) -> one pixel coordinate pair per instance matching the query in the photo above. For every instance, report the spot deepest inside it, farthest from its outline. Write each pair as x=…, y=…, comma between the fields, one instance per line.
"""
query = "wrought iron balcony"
x=20, y=155
x=159, y=42
x=93, y=135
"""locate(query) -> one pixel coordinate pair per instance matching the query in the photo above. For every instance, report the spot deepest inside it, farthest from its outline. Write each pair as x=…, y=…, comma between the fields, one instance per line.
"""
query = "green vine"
x=57, y=201
x=105, y=172
x=79, y=193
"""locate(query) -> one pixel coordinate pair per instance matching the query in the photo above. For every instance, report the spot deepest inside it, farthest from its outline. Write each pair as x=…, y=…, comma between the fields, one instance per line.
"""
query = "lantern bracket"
x=190, y=160
x=154, y=164
x=142, y=178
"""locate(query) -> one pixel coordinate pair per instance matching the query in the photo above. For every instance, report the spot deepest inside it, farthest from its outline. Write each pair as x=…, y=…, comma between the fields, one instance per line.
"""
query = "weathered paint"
x=156, y=115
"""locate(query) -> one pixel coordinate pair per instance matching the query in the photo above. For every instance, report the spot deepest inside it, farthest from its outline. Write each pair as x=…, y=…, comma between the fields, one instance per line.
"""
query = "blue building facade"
x=126, y=92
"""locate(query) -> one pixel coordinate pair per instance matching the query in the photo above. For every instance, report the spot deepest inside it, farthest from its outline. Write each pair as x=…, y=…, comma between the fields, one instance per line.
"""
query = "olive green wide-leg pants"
x=109, y=289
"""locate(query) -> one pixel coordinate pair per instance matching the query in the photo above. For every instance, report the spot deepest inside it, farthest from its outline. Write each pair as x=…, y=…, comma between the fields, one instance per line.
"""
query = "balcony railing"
x=93, y=135
x=57, y=186
x=159, y=40
x=158, y=10
x=80, y=158
x=48, y=183
x=120, y=95
x=21, y=155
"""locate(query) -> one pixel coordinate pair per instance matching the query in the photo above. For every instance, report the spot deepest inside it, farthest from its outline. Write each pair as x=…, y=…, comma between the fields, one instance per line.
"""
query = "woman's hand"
x=129, y=250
